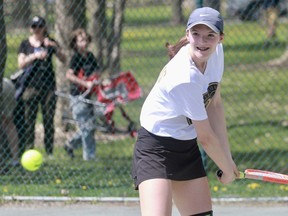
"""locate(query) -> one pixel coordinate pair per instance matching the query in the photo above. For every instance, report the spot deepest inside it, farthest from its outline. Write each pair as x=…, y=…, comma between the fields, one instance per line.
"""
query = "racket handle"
x=219, y=173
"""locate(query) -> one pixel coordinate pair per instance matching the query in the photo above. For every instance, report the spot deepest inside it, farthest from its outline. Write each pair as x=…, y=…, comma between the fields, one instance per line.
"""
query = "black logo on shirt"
x=210, y=93
x=207, y=96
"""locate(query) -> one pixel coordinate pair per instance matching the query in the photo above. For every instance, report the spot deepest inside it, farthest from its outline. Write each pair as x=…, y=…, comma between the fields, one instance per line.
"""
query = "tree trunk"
x=115, y=36
x=98, y=29
x=3, y=45
x=69, y=15
x=177, y=14
x=107, y=34
x=3, y=56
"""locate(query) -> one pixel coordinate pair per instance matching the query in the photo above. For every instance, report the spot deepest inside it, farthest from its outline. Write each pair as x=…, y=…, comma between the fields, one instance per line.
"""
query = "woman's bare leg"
x=156, y=197
x=192, y=197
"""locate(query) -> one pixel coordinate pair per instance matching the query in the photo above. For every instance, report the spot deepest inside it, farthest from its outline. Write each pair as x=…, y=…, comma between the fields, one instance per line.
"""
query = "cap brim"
x=204, y=23
x=37, y=26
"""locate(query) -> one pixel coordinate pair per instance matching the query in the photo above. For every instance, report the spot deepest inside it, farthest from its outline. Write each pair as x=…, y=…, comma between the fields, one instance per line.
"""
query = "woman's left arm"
x=58, y=50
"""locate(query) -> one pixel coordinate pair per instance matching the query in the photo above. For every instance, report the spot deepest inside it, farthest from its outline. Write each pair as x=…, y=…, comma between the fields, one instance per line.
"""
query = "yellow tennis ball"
x=32, y=160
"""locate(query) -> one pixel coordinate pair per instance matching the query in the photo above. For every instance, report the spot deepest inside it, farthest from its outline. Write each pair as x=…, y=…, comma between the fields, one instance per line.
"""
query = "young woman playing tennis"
x=184, y=107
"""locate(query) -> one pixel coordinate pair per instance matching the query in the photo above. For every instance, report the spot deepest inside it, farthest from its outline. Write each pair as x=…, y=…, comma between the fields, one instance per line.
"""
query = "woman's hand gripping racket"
x=261, y=175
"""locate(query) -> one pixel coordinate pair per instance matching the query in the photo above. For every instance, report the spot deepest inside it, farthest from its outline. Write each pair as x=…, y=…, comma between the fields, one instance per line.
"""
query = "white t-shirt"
x=181, y=94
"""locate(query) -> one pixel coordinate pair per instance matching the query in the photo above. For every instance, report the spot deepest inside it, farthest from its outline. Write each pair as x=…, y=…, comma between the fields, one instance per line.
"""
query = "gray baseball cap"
x=206, y=16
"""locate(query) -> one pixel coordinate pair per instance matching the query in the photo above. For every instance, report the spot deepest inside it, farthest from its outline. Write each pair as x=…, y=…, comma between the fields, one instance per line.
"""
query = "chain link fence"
x=128, y=41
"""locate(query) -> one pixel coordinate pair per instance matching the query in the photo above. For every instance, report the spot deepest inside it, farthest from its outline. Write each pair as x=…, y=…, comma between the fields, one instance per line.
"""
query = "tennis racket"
x=261, y=175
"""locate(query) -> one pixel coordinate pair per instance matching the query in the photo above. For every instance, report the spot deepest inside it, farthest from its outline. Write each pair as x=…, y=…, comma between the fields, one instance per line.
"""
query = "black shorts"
x=166, y=158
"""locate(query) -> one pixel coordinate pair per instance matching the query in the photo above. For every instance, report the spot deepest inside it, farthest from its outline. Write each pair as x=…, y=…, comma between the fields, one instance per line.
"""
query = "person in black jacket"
x=35, y=55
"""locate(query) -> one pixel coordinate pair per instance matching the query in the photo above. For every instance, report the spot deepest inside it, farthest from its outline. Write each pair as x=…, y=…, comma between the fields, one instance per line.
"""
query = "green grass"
x=254, y=99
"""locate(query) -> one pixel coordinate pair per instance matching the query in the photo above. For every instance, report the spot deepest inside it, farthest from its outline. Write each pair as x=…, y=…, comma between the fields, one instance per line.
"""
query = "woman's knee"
x=209, y=213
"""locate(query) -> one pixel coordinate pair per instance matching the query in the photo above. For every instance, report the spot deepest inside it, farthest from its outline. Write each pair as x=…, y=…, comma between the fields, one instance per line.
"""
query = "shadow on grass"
x=248, y=46
x=274, y=123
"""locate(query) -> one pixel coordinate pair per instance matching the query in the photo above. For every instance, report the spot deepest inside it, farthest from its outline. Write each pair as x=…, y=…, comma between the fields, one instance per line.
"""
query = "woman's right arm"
x=25, y=60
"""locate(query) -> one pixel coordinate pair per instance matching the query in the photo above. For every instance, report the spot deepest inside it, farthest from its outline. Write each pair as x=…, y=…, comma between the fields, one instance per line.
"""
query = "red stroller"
x=108, y=94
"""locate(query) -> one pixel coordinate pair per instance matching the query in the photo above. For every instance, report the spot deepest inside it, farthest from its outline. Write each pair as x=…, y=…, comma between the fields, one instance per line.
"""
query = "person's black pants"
x=25, y=116
x=20, y=123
